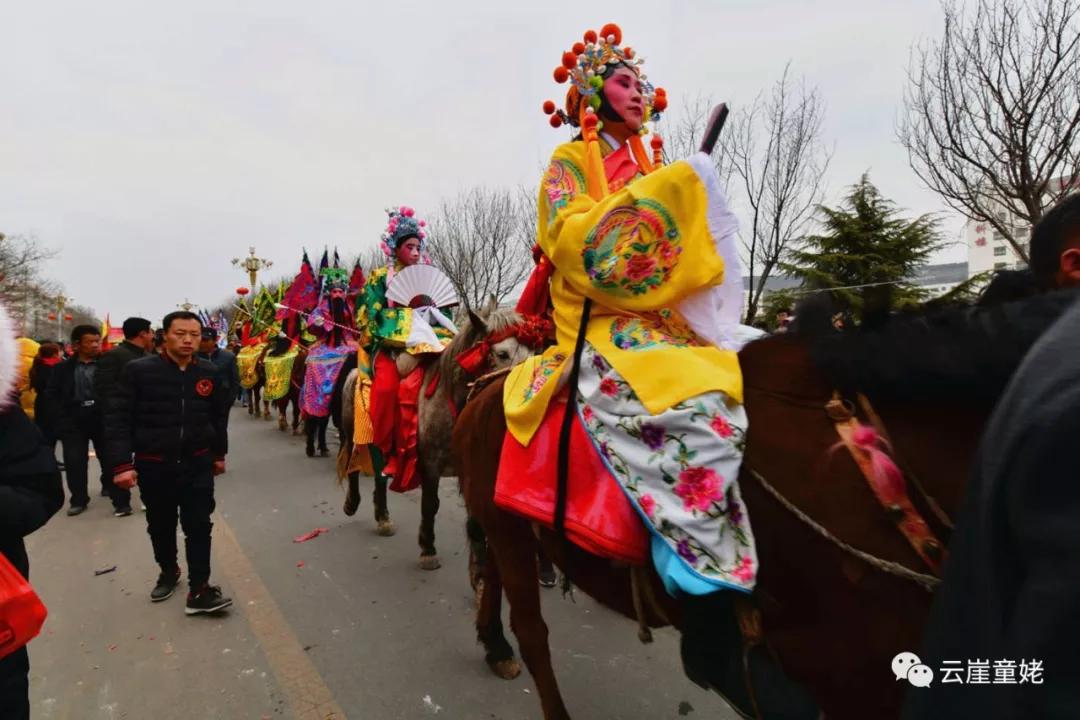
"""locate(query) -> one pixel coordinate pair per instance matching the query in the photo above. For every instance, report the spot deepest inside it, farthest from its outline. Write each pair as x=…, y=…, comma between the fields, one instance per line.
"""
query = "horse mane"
x=969, y=352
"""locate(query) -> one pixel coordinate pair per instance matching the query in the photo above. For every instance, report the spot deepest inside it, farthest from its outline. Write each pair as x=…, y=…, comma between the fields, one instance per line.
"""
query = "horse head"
x=504, y=348
x=492, y=339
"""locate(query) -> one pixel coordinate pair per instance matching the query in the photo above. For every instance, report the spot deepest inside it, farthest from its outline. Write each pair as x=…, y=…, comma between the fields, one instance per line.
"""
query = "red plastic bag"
x=21, y=611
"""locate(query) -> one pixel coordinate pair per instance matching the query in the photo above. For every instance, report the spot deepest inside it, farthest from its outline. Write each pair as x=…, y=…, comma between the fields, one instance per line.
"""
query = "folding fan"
x=421, y=286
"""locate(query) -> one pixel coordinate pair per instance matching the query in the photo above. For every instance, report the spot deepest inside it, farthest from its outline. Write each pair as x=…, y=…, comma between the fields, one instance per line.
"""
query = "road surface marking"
x=303, y=687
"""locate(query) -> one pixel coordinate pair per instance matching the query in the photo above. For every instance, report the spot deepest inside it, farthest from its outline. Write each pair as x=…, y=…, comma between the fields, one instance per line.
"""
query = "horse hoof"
x=548, y=578
x=310, y=451
x=506, y=669
x=323, y=452
x=296, y=432
x=430, y=562
x=385, y=528
x=351, y=504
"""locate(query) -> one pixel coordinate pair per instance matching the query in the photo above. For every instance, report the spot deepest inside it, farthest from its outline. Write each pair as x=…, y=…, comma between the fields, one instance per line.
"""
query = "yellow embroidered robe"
x=653, y=256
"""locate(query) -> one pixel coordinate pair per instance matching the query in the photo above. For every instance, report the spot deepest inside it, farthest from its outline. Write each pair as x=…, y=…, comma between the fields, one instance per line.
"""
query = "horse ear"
x=477, y=323
x=492, y=304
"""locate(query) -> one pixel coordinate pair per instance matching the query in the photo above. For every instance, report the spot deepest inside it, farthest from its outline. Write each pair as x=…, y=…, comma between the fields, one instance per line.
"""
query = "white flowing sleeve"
x=715, y=313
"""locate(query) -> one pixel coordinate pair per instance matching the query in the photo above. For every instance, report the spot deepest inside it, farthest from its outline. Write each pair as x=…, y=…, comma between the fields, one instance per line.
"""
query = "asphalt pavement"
x=344, y=625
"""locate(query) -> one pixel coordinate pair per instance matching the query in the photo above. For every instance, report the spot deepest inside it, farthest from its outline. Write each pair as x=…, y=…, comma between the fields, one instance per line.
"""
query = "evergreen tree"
x=866, y=244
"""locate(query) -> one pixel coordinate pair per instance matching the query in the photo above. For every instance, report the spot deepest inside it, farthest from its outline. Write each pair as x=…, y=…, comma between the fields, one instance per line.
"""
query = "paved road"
x=345, y=625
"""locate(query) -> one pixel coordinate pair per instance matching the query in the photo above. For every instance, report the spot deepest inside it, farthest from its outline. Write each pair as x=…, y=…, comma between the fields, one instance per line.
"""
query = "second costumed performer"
x=402, y=341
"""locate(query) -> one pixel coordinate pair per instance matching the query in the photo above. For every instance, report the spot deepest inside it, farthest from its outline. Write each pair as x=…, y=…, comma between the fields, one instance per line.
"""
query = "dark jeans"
x=76, y=441
x=186, y=490
x=15, y=686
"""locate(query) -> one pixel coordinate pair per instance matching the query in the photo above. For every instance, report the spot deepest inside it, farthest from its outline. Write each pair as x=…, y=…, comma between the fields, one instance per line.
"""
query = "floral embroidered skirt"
x=680, y=469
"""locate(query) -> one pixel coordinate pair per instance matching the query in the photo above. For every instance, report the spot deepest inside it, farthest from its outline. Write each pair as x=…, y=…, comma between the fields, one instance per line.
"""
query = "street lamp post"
x=252, y=265
x=61, y=305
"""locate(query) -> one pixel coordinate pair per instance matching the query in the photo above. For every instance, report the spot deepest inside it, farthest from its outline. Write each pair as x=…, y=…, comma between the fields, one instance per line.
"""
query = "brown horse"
x=839, y=590
x=444, y=390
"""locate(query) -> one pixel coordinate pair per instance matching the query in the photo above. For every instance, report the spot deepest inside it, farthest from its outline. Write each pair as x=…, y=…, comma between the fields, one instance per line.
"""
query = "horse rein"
x=907, y=519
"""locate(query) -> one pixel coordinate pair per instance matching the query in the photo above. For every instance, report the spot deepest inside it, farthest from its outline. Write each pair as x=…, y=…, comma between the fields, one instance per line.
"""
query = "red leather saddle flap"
x=599, y=516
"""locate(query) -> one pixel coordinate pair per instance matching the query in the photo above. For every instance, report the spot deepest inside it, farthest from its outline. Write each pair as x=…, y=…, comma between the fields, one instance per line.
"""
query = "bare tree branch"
x=991, y=118
x=482, y=239
x=772, y=159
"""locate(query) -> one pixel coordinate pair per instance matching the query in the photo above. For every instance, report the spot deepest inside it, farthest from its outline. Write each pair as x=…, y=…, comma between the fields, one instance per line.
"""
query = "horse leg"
x=484, y=578
x=352, y=495
x=512, y=543
x=266, y=409
x=309, y=431
x=429, y=507
x=296, y=412
x=324, y=451
x=383, y=525
x=282, y=408
x=547, y=574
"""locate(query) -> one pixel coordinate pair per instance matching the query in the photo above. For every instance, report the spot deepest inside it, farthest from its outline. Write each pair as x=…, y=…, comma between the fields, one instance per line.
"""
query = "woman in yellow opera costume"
x=643, y=265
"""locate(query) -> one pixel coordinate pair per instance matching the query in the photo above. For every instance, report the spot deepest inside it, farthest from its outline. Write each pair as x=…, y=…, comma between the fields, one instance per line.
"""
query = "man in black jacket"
x=75, y=415
x=165, y=428
x=138, y=341
x=31, y=491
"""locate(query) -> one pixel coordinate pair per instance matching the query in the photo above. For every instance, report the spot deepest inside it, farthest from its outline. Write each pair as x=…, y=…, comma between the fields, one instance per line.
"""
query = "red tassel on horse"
x=474, y=360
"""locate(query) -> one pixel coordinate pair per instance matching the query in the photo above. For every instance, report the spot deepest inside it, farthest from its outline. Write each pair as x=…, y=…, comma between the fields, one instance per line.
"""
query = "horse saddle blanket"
x=278, y=370
x=323, y=366
x=247, y=362
x=599, y=517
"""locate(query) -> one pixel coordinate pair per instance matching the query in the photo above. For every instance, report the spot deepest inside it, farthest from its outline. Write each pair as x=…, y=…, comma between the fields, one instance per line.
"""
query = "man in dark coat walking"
x=75, y=415
x=165, y=428
x=138, y=342
x=31, y=491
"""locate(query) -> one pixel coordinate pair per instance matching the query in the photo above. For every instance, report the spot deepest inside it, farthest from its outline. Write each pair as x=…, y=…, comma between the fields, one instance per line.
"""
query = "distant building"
x=989, y=249
x=935, y=279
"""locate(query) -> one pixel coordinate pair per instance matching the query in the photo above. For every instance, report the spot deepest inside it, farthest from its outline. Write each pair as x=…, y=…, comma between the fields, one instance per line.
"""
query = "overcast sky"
x=150, y=143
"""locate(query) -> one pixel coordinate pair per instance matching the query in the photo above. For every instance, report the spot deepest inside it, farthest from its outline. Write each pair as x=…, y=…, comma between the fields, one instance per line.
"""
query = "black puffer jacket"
x=31, y=489
x=159, y=412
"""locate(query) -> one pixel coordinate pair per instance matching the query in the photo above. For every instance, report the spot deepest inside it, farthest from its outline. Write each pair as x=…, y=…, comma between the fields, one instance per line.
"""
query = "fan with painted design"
x=421, y=286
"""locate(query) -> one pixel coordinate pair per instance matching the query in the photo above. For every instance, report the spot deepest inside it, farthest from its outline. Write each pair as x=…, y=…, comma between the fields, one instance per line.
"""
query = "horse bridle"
x=906, y=517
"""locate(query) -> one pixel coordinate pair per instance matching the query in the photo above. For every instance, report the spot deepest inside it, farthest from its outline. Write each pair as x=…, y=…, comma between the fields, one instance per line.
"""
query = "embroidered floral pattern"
x=699, y=487
x=633, y=249
x=679, y=467
x=652, y=330
x=562, y=182
x=542, y=373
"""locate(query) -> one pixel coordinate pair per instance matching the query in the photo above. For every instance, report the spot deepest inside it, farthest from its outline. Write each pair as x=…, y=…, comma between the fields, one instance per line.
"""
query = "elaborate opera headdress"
x=322, y=322
x=335, y=278
x=585, y=66
x=402, y=225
